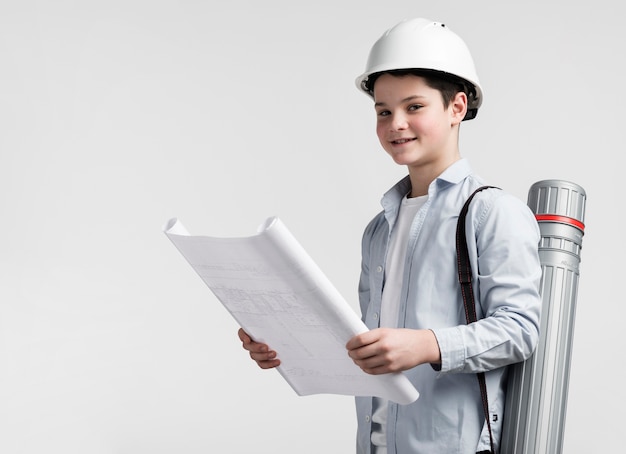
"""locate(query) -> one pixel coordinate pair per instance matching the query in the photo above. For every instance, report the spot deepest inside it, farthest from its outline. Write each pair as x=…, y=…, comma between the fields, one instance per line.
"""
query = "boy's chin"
x=402, y=159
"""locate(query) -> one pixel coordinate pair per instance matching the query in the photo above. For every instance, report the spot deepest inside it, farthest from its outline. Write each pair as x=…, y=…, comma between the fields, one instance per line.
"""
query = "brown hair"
x=447, y=84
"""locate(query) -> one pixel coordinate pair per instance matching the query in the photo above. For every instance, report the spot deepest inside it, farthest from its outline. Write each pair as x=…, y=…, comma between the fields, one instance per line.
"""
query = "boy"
x=423, y=82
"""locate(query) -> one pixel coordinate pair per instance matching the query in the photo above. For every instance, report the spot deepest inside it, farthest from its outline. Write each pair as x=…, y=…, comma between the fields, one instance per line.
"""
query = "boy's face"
x=412, y=124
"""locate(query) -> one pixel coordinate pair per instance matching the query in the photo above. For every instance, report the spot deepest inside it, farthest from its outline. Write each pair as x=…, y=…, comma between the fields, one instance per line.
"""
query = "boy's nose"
x=399, y=122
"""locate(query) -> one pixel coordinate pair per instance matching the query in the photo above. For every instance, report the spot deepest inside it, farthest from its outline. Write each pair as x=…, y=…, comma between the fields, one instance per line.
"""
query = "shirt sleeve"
x=503, y=238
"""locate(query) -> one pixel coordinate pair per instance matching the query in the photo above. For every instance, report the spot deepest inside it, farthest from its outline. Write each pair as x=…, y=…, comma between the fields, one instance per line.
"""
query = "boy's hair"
x=447, y=84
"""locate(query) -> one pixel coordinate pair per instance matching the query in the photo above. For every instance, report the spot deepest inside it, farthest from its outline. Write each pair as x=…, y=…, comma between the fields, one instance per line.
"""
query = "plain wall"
x=116, y=116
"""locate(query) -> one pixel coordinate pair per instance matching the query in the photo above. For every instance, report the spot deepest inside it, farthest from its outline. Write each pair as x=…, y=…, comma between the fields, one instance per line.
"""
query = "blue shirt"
x=503, y=238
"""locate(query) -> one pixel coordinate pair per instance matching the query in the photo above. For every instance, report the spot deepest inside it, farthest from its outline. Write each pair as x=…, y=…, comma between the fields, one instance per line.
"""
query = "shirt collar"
x=454, y=174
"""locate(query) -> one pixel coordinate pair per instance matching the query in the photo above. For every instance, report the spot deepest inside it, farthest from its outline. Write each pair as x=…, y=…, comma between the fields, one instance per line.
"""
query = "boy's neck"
x=422, y=176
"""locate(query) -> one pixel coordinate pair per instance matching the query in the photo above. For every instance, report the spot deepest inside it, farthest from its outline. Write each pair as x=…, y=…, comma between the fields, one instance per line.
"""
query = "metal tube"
x=534, y=417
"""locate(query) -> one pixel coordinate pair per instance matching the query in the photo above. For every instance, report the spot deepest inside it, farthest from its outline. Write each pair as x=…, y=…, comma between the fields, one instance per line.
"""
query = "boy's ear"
x=458, y=107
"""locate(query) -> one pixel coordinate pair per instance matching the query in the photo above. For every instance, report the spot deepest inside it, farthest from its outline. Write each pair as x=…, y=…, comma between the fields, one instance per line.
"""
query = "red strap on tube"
x=562, y=219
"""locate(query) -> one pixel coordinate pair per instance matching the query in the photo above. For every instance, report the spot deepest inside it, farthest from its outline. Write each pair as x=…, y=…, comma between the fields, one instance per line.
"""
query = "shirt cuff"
x=452, y=349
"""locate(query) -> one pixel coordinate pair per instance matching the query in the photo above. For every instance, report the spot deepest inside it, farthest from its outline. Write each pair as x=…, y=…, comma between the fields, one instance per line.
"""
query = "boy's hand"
x=385, y=350
x=261, y=353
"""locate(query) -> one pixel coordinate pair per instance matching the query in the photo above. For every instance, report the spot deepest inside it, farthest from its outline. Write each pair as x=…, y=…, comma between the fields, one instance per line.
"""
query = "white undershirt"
x=390, y=306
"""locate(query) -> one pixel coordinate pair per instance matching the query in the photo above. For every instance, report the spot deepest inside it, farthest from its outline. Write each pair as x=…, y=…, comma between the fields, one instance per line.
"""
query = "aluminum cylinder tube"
x=534, y=418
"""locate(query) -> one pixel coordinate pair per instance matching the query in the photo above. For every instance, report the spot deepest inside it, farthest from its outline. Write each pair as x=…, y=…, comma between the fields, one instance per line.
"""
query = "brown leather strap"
x=467, y=291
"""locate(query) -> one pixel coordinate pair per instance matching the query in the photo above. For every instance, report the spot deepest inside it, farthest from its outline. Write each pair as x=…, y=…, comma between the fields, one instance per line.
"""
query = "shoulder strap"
x=463, y=262
x=467, y=291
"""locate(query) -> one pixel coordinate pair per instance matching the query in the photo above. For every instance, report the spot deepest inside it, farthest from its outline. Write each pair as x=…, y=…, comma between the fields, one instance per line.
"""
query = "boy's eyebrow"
x=408, y=98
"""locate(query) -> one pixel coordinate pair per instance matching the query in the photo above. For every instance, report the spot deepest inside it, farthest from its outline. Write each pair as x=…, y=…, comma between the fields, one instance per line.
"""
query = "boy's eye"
x=414, y=107
x=383, y=113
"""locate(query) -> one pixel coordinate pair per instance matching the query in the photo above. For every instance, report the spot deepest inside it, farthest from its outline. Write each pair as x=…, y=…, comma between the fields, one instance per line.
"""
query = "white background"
x=118, y=115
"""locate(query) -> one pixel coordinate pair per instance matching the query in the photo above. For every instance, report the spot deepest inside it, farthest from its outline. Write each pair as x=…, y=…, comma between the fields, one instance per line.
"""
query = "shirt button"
x=375, y=316
x=379, y=269
x=367, y=418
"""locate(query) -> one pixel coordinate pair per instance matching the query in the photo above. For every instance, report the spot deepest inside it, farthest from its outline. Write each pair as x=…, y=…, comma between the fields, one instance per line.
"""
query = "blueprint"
x=278, y=295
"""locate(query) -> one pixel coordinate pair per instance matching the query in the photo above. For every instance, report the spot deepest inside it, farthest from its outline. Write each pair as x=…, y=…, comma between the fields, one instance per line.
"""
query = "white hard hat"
x=423, y=44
